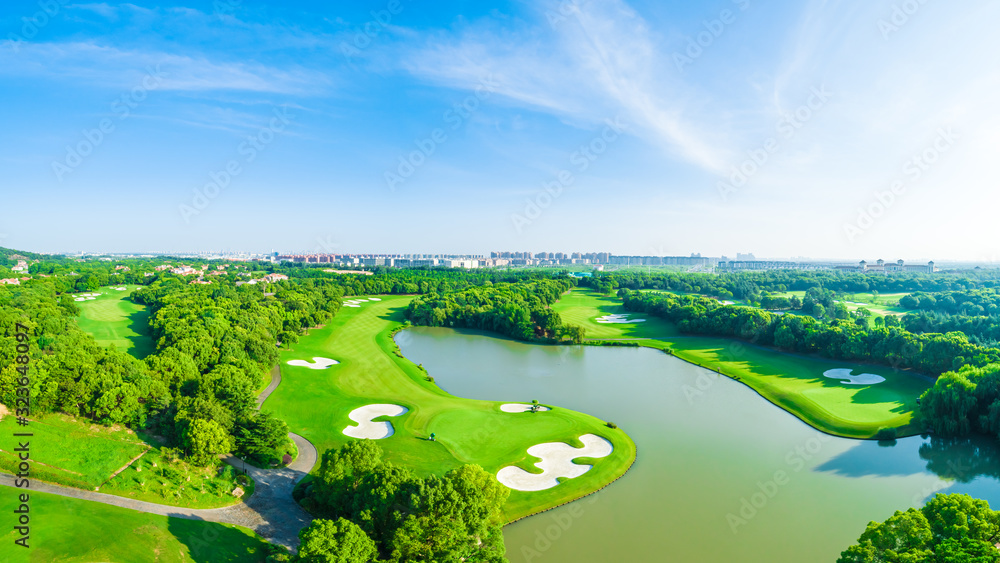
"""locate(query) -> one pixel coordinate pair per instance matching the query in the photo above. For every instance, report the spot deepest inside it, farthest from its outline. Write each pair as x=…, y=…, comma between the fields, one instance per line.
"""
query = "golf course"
x=793, y=382
x=320, y=403
x=108, y=316
x=79, y=531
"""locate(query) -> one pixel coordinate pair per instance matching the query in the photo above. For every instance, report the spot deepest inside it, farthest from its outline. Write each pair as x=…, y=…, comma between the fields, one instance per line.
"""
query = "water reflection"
x=971, y=464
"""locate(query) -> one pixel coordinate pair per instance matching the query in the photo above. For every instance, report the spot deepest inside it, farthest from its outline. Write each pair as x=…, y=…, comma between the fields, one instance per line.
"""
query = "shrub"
x=612, y=425
x=886, y=434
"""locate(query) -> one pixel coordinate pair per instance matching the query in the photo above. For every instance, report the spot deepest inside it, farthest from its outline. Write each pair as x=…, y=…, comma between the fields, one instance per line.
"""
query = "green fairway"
x=112, y=319
x=70, y=530
x=316, y=404
x=582, y=308
x=793, y=382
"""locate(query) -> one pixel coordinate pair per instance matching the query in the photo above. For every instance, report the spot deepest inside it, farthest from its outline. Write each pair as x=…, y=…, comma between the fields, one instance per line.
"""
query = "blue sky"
x=809, y=128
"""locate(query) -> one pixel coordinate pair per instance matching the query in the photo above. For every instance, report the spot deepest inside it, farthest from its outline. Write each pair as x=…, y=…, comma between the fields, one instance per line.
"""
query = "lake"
x=722, y=475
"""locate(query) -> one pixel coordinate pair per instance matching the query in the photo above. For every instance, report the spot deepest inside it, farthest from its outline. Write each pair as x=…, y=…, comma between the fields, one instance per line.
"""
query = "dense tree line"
x=519, y=310
x=893, y=346
x=751, y=285
x=372, y=510
x=948, y=529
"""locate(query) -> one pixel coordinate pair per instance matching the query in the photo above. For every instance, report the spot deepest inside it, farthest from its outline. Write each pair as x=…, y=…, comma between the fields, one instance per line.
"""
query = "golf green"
x=793, y=382
x=316, y=404
x=112, y=319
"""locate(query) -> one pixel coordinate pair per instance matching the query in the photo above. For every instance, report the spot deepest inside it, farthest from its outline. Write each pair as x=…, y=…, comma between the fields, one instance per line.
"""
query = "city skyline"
x=639, y=127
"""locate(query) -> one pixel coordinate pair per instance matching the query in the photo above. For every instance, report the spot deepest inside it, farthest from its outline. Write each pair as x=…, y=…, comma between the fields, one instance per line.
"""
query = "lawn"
x=316, y=403
x=70, y=530
x=76, y=453
x=791, y=381
x=112, y=319
x=582, y=307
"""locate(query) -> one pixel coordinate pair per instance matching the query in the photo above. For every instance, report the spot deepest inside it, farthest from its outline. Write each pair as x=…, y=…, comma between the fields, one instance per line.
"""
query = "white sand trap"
x=119, y=289
x=373, y=430
x=848, y=379
x=374, y=299
x=518, y=407
x=351, y=305
x=91, y=298
x=80, y=299
x=317, y=363
x=557, y=461
x=618, y=319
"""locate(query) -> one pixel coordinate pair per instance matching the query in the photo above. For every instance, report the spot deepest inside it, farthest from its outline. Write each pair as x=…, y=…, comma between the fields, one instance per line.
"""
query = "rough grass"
x=79, y=454
x=791, y=381
x=70, y=530
x=112, y=319
x=315, y=403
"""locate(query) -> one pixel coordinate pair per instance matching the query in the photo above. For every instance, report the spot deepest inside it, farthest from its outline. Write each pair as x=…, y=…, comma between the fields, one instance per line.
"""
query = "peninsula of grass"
x=70, y=452
x=793, y=382
x=112, y=319
x=71, y=530
x=316, y=404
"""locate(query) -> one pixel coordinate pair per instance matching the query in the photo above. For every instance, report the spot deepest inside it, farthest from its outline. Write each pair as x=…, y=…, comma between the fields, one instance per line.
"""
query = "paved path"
x=270, y=511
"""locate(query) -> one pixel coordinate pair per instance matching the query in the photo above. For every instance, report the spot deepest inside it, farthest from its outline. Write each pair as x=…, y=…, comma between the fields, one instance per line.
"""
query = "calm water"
x=721, y=476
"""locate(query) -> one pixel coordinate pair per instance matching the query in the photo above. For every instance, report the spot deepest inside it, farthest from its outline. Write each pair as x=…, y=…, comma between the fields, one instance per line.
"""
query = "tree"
x=205, y=439
x=340, y=541
x=948, y=529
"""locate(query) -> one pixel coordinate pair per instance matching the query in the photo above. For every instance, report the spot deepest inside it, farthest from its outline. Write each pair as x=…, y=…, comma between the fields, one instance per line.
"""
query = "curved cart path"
x=270, y=511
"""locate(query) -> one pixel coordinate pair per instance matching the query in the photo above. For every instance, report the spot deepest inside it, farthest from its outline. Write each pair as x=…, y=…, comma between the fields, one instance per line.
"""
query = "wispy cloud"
x=601, y=62
x=108, y=66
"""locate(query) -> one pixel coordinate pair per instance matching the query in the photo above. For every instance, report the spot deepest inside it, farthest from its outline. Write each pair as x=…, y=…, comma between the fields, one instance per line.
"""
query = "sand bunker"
x=317, y=363
x=518, y=407
x=119, y=289
x=373, y=430
x=91, y=298
x=80, y=299
x=351, y=305
x=374, y=299
x=847, y=379
x=557, y=461
x=617, y=319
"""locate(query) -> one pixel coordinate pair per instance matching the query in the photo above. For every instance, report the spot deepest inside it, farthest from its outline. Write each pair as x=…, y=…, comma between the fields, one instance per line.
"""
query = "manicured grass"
x=112, y=319
x=316, y=403
x=791, y=381
x=70, y=530
x=582, y=307
x=75, y=453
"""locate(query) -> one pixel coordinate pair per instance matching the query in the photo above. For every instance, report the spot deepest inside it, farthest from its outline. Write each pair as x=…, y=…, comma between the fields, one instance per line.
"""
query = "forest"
x=519, y=310
x=370, y=509
x=837, y=339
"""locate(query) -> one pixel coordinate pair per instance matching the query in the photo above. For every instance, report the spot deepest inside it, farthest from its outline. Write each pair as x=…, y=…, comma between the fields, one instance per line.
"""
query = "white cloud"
x=600, y=63
x=106, y=66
